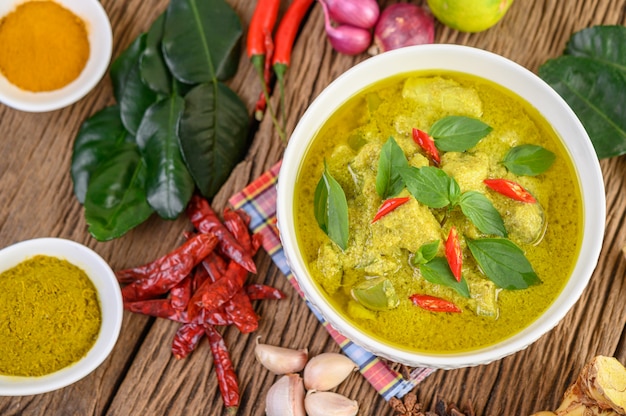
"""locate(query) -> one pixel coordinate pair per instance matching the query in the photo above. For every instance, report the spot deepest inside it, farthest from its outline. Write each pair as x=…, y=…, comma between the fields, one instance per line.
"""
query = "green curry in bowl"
x=438, y=212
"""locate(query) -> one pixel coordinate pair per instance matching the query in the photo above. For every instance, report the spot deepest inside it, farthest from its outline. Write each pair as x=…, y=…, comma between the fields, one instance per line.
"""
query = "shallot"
x=346, y=39
x=403, y=24
x=358, y=13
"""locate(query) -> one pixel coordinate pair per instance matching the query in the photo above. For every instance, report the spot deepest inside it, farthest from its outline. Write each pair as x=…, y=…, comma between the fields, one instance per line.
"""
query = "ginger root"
x=600, y=390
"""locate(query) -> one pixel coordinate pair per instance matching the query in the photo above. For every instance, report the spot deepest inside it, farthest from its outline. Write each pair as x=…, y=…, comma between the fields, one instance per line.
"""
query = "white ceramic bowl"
x=510, y=76
x=111, y=305
x=100, y=48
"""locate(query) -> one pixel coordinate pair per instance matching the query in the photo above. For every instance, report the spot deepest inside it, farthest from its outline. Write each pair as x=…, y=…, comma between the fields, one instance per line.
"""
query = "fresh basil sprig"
x=331, y=209
x=458, y=133
x=503, y=263
x=426, y=253
x=438, y=271
x=528, y=160
x=482, y=213
x=392, y=159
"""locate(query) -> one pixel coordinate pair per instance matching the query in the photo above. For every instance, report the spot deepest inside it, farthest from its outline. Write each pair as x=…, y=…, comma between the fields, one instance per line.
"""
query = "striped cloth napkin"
x=259, y=200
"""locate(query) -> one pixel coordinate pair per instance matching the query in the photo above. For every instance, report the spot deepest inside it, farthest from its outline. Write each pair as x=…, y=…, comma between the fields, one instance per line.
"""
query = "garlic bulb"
x=286, y=397
x=327, y=370
x=280, y=360
x=326, y=403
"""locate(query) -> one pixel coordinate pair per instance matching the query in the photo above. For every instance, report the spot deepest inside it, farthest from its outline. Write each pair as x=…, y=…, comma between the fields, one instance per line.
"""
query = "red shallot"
x=346, y=39
x=358, y=13
x=403, y=24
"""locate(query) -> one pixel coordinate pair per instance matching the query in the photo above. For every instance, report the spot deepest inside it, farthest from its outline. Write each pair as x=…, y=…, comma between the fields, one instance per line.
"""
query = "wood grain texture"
x=141, y=377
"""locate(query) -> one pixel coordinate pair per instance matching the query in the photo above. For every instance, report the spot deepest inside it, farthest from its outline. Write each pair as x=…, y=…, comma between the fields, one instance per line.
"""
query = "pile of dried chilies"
x=201, y=285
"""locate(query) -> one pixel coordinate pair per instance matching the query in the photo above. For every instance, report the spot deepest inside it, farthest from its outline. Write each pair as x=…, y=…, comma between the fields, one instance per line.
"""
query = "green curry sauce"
x=350, y=142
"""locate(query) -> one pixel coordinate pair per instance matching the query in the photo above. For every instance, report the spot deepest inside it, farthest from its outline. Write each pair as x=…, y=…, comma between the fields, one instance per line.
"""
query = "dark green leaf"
x=98, y=139
x=503, y=263
x=605, y=44
x=388, y=180
x=169, y=185
x=201, y=40
x=154, y=71
x=482, y=213
x=438, y=271
x=458, y=133
x=213, y=135
x=133, y=96
x=426, y=253
x=331, y=209
x=528, y=159
x=116, y=201
x=430, y=186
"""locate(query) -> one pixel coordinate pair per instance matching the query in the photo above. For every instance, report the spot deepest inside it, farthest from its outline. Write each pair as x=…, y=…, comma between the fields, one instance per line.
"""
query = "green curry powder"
x=50, y=316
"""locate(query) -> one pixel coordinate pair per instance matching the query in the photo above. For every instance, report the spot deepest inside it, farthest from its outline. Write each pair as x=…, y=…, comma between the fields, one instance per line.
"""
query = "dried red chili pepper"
x=240, y=311
x=159, y=308
x=434, y=304
x=454, y=254
x=226, y=376
x=206, y=221
x=181, y=293
x=235, y=223
x=215, y=266
x=428, y=145
x=178, y=264
x=510, y=189
x=389, y=205
x=187, y=339
x=259, y=292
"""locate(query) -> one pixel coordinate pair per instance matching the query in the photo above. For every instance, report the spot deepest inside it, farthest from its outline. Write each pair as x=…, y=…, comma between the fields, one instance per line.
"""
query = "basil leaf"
x=98, y=139
x=482, y=213
x=213, y=135
x=458, y=133
x=602, y=43
x=438, y=271
x=426, y=253
x=153, y=69
x=331, y=209
x=201, y=40
x=115, y=201
x=503, y=263
x=528, y=160
x=169, y=185
x=388, y=180
x=430, y=186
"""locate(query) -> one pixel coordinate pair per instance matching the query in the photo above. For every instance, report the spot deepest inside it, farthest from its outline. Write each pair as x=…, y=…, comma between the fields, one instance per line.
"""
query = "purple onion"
x=346, y=39
x=403, y=24
x=358, y=13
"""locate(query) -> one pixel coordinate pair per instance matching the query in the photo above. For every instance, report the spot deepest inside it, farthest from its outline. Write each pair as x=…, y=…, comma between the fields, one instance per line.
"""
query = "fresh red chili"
x=259, y=292
x=454, y=254
x=187, y=339
x=206, y=221
x=261, y=27
x=389, y=205
x=434, y=304
x=226, y=376
x=428, y=145
x=286, y=34
x=510, y=189
x=178, y=264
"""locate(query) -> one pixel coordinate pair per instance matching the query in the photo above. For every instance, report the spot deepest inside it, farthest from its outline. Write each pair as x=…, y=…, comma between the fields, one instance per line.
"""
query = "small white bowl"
x=100, y=48
x=496, y=69
x=109, y=295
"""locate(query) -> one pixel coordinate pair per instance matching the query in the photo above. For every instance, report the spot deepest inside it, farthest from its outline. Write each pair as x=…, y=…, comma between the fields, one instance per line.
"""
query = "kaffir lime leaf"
x=469, y=15
x=376, y=294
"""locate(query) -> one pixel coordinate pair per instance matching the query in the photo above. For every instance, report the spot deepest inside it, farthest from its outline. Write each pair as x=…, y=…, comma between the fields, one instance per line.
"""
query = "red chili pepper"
x=510, y=189
x=181, y=293
x=235, y=223
x=454, y=254
x=178, y=264
x=259, y=292
x=187, y=339
x=428, y=145
x=434, y=304
x=215, y=266
x=389, y=205
x=226, y=376
x=159, y=308
x=240, y=311
x=206, y=221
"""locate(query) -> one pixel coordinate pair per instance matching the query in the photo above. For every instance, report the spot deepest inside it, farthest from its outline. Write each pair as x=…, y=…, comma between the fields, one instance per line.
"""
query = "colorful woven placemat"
x=259, y=200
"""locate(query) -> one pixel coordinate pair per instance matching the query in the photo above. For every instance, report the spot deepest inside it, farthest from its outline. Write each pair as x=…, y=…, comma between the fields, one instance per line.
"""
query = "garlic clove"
x=326, y=403
x=280, y=360
x=286, y=397
x=327, y=370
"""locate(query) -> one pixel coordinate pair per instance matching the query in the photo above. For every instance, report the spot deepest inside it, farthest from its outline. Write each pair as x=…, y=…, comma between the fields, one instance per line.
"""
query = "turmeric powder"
x=43, y=46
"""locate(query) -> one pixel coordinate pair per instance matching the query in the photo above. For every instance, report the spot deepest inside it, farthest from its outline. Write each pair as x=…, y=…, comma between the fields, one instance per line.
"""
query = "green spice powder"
x=49, y=316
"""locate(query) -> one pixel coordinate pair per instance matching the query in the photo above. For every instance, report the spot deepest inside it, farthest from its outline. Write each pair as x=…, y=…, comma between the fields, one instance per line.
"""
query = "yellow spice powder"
x=43, y=46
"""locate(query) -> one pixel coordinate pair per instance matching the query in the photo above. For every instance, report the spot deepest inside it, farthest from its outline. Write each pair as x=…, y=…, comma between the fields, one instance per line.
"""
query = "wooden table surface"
x=141, y=377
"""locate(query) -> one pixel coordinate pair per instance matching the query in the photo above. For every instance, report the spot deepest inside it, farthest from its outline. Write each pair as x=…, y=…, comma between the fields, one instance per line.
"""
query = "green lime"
x=469, y=15
x=376, y=294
